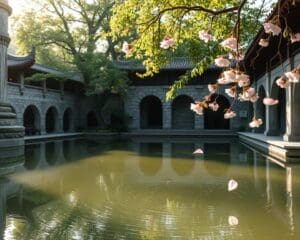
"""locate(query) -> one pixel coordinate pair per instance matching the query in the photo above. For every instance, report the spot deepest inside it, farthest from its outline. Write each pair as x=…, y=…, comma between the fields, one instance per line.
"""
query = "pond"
x=147, y=189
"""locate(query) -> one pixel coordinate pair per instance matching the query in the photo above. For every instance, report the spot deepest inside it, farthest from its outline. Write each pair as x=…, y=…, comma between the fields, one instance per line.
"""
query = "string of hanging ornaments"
x=238, y=82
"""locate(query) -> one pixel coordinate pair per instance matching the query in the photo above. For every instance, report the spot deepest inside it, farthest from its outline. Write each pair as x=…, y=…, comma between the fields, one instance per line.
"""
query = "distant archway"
x=261, y=109
x=277, y=112
x=51, y=120
x=91, y=120
x=151, y=113
x=67, y=120
x=215, y=120
x=182, y=116
x=31, y=120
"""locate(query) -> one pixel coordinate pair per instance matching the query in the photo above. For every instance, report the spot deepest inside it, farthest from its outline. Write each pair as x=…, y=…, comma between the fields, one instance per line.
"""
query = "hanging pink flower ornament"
x=214, y=106
x=256, y=123
x=271, y=28
x=230, y=43
x=229, y=114
x=293, y=76
x=283, y=82
x=205, y=36
x=212, y=88
x=167, y=42
x=222, y=62
x=295, y=37
x=231, y=92
x=126, y=48
x=270, y=101
x=263, y=42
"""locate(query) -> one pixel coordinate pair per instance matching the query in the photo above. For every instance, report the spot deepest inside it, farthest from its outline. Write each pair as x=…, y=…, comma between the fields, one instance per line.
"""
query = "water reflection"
x=150, y=191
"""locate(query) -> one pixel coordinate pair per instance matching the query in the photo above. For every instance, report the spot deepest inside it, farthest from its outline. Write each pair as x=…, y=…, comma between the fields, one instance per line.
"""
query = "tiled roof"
x=17, y=62
x=175, y=64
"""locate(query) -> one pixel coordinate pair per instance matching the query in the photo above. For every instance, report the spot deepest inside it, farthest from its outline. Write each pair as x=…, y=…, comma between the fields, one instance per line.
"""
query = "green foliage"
x=146, y=23
x=102, y=75
x=40, y=77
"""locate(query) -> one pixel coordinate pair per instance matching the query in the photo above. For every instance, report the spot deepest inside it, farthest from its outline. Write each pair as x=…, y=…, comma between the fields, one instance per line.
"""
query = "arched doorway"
x=182, y=116
x=215, y=119
x=67, y=120
x=261, y=109
x=151, y=113
x=31, y=120
x=91, y=120
x=51, y=120
x=277, y=124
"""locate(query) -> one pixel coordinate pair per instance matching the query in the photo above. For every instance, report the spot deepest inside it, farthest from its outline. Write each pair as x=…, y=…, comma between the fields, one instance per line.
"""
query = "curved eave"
x=18, y=63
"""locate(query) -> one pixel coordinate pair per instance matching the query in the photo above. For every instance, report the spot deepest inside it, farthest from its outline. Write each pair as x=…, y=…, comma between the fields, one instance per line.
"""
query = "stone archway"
x=32, y=120
x=151, y=113
x=51, y=120
x=261, y=109
x=67, y=120
x=215, y=120
x=277, y=116
x=91, y=120
x=182, y=116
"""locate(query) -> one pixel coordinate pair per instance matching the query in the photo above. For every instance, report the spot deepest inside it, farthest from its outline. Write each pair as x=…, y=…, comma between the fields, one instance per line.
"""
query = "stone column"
x=167, y=115
x=2, y=209
x=292, y=110
x=10, y=134
x=22, y=83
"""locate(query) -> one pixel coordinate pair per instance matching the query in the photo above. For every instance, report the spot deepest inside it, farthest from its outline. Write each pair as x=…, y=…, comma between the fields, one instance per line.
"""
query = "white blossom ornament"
x=232, y=185
x=230, y=76
x=205, y=36
x=212, y=88
x=271, y=28
x=233, y=221
x=270, y=101
x=167, y=42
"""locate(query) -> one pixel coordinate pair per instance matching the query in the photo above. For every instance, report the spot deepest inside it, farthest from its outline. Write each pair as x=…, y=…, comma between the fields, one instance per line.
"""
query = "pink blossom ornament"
x=229, y=114
x=222, y=62
x=263, y=42
x=212, y=88
x=233, y=221
x=126, y=48
x=271, y=28
x=293, y=76
x=295, y=37
x=197, y=108
x=230, y=43
x=283, y=82
x=270, y=101
x=232, y=185
x=198, y=151
x=230, y=75
x=223, y=81
x=205, y=36
x=214, y=106
x=231, y=92
x=256, y=123
x=167, y=42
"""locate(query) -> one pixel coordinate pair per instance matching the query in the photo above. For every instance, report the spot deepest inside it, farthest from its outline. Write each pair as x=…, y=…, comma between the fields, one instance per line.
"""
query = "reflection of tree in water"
x=150, y=159
x=183, y=162
x=32, y=156
x=217, y=158
x=51, y=153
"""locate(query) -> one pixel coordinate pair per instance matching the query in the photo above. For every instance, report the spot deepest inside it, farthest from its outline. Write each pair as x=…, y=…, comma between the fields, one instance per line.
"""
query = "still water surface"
x=88, y=189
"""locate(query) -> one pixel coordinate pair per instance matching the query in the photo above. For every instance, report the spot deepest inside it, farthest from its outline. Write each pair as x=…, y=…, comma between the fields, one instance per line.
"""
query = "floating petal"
x=198, y=151
x=233, y=221
x=232, y=185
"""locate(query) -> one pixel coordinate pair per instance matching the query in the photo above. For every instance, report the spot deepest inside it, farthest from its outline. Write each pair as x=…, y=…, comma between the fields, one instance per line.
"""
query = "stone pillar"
x=10, y=134
x=292, y=111
x=2, y=209
x=22, y=83
x=62, y=90
x=167, y=115
x=43, y=124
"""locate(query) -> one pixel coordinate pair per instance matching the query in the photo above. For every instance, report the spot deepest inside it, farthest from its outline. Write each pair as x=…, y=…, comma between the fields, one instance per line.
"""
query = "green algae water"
x=147, y=189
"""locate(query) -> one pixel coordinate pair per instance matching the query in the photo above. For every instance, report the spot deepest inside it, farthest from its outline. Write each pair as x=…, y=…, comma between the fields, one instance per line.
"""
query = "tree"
x=148, y=23
x=69, y=33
